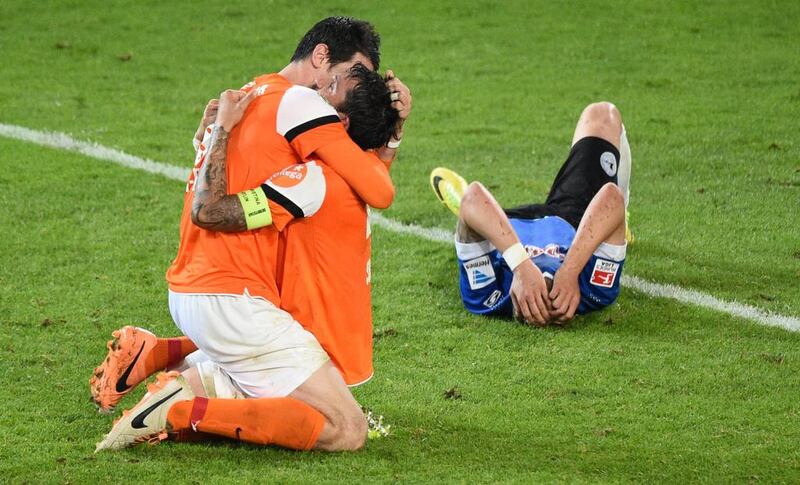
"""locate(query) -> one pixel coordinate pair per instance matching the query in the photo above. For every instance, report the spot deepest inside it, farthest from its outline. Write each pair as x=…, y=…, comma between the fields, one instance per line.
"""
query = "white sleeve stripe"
x=300, y=105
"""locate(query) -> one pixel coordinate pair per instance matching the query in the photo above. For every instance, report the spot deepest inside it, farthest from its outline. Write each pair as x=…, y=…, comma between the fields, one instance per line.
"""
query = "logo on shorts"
x=604, y=274
x=479, y=272
x=609, y=163
x=493, y=299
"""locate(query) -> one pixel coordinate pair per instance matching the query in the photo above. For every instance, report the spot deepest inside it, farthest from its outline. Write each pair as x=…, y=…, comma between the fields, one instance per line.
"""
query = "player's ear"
x=319, y=55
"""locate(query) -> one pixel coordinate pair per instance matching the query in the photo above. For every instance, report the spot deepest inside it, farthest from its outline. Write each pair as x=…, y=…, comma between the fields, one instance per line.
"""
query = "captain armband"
x=256, y=208
x=515, y=255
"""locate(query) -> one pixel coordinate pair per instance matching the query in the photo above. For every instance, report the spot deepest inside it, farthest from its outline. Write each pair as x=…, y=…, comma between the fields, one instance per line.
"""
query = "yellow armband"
x=256, y=208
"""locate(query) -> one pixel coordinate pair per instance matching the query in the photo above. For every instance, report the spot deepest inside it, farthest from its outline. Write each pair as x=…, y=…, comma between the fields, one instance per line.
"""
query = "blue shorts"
x=485, y=279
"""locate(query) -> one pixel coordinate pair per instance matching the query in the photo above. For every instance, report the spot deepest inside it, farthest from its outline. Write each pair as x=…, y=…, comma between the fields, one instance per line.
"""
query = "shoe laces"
x=161, y=380
x=153, y=438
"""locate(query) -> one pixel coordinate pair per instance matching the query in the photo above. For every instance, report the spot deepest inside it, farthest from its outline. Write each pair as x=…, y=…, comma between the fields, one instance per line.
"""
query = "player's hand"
x=564, y=297
x=209, y=115
x=399, y=90
x=232, y=104
x=529, y=294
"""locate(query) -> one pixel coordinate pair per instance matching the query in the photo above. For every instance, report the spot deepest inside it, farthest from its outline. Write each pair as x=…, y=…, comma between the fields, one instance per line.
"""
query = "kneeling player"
x=545, y=262
x=270, y=417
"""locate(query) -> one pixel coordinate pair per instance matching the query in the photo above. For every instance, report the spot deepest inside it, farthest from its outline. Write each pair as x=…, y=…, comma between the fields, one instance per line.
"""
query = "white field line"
x=65, y=142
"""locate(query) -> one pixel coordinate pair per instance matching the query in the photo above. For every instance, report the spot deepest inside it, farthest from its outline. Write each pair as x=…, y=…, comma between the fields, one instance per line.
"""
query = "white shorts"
x=264, y=351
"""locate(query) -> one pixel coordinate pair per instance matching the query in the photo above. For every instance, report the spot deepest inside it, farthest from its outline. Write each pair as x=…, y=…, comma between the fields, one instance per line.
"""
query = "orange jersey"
x=281, y=127
x=325, y=279
x=325, y=270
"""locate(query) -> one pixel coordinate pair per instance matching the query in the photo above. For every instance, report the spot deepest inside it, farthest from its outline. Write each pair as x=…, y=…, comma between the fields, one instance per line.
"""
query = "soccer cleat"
x=449, y=187
x=123, y=367
x=147, y=421
x=375, y=427
x=629, y=238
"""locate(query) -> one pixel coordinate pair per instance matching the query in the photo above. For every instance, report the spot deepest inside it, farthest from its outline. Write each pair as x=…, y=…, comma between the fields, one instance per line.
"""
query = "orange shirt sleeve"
x=312, y=127
x=363, y=171
x=326, y=130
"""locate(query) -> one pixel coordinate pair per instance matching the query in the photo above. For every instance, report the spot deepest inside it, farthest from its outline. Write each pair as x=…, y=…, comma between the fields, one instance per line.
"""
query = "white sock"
x=191, y=360
x=624, y=171
x=216, y=382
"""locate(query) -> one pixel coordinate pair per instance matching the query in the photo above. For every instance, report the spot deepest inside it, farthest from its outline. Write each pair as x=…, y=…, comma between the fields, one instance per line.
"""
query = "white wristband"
x=515, y=255
x=393, y=144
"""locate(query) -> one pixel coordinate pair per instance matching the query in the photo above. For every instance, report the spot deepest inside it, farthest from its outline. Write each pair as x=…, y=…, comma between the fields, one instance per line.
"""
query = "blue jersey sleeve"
x=599, y=281
x=483, y=279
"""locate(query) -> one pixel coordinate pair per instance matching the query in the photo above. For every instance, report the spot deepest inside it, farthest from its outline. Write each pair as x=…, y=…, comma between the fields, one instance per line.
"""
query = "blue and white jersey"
x=485, y=278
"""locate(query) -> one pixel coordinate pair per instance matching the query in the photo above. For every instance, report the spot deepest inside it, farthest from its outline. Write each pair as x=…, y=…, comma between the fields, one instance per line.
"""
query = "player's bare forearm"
x=482, y=214
x=604, y=220
x=209, y=113
x=225, y=215
x=212, y=207
x=387, y=154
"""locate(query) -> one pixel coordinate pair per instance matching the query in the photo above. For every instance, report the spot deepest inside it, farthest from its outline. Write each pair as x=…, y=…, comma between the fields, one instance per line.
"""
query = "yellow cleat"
x=628, y=233
x=449, y=187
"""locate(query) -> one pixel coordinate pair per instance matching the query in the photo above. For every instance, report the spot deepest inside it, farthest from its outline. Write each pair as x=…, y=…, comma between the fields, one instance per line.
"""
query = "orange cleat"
x=147, y=421
x=123, y=367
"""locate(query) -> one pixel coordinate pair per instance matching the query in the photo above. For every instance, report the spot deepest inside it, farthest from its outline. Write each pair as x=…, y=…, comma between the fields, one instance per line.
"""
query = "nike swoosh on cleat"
x=122, y=382
x=138, y=421
x=436, y=180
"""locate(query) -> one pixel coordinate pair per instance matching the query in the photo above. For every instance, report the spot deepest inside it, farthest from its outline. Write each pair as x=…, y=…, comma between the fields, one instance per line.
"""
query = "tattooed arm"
x=268, y=204
x=212, y=207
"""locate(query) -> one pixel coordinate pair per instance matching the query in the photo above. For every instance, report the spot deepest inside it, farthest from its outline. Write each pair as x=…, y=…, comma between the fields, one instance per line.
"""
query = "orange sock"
x=167, y=353
x=281, y=421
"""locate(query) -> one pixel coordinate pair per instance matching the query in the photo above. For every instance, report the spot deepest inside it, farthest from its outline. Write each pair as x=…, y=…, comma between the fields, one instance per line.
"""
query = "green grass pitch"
x=649, y=390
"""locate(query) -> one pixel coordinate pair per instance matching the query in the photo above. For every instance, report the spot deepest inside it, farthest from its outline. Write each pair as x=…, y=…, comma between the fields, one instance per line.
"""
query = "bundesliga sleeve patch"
x=604, y=273
x=479, y=272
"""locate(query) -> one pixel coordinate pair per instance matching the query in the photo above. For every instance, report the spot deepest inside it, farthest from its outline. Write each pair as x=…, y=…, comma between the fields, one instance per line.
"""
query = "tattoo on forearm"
x=212, y=207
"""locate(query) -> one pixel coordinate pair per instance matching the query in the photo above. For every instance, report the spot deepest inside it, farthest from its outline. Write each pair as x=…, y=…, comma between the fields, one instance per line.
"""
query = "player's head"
x=333, y=46
x=367, y=109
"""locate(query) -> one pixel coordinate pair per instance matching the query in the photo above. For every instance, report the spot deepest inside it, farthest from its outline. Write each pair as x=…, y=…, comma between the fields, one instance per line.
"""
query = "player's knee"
x=602, y=113
x=611, y=193
x=351, y=433
x=349, y=429
x=357, y=433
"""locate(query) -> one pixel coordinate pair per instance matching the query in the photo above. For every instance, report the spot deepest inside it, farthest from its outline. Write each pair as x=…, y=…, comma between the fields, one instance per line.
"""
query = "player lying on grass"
x=530, y=261
x=299, y=399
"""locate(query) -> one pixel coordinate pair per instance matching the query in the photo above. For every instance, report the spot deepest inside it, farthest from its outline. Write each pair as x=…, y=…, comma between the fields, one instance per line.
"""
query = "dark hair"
x=344, y=36
x=373, y=120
